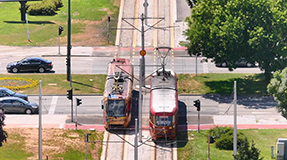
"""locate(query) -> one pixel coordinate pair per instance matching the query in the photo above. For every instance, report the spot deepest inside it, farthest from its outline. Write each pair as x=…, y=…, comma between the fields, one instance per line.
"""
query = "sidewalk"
x=61, y=121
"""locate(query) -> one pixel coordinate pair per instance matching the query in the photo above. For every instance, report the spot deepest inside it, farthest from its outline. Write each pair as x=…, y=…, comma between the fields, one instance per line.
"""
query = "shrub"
x=245, y=152
x=226, y=140
x=3, y=134
x=217, y=131
x=46, y=7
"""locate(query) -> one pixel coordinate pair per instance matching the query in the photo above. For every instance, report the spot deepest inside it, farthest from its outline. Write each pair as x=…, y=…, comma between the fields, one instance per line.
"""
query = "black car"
x=18, y=105
x=240, y=63
x=5, y=92
x=30, y=64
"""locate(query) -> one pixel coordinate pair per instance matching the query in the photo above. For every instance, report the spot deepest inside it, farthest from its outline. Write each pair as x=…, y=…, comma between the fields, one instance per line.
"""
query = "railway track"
x=120, y=146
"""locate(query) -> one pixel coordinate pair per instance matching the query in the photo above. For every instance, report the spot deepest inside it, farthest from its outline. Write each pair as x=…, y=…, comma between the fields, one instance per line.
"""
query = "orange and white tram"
x=163, y=119
x=117, y=98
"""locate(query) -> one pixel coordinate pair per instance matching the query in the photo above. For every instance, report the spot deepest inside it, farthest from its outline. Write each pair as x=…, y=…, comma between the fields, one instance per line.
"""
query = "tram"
x=117, y=98
x=163, y=117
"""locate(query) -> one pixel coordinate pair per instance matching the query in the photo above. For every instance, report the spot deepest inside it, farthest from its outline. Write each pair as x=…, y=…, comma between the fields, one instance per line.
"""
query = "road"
x=90, y=111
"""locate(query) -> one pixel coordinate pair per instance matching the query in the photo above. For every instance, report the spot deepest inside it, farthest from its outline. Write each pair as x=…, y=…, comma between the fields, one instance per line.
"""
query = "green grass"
x=221, y=83
x=70, y=144
x=196, y=148
x=9, y=152
x=57, y=84
x=216, y=83
x=44, y=29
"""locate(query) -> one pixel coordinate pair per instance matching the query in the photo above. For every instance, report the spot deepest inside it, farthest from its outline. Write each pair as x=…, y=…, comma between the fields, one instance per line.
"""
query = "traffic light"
x=68, y=62
x=79, y=101
x=61, y=29
x=70, y=94
x=197, y=104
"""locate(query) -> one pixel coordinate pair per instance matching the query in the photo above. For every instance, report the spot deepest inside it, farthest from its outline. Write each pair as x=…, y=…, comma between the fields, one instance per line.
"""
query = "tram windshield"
x=163, y=120
x=116, y=108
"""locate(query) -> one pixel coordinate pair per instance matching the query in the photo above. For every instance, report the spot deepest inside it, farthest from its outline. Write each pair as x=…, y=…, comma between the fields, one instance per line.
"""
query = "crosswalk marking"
x=53, y=105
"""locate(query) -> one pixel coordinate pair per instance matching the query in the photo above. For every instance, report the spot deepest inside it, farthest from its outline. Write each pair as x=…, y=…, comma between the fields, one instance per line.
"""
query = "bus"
x=163, y=116
x=117, y=98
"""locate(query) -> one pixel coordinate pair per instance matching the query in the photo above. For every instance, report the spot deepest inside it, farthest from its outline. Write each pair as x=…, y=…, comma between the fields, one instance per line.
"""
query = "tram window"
x=116, y=108
x=163, y=120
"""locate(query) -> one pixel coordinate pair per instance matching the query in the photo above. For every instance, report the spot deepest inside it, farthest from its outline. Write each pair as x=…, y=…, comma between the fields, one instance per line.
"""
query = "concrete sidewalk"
x=62, y=121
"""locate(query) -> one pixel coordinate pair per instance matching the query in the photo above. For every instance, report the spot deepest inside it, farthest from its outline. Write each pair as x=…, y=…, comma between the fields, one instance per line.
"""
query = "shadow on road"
x=249, y=101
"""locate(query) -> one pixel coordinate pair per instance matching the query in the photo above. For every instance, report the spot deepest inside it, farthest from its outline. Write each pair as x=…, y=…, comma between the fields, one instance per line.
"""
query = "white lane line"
x=53, y=105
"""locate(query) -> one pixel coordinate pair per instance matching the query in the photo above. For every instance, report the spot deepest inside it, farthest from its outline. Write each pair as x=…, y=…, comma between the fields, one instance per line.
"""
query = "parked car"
x=30, y=64
x=240, y=63
x=5, y=92
x=18, y=105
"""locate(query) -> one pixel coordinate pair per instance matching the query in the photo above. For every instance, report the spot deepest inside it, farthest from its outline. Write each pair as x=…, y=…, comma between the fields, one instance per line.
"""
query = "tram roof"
x=163, y=100
x=123, y=68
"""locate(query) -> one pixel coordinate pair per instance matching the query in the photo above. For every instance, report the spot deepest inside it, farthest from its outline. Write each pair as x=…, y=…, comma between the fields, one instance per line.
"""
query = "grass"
x=56, y=144
x=196, y=148
x=221, y=83
x=10, y=152
x=43, y=30
x=216, y=83
x=57, y=83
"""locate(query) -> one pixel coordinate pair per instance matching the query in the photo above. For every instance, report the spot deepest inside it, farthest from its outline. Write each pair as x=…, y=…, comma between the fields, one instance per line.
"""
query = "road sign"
x=142, y=52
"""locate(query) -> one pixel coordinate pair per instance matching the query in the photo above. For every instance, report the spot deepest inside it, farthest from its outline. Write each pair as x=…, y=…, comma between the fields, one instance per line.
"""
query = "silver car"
x=18, y=105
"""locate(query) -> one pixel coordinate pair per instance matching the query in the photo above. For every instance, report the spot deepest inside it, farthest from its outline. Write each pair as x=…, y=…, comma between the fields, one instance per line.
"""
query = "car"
x=18, y=105
x=240, y=63
x=5, y=92
x=30, y=64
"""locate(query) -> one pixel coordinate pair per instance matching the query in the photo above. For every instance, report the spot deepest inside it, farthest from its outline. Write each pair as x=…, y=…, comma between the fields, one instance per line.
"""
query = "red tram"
x=163, y=119
x=117, y=98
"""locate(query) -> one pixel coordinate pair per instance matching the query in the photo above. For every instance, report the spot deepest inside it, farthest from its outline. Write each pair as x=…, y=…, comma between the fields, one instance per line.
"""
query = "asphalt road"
x=90, y=111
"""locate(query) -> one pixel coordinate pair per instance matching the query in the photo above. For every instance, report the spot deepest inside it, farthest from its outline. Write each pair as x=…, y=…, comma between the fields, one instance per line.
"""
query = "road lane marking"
x=53, y=105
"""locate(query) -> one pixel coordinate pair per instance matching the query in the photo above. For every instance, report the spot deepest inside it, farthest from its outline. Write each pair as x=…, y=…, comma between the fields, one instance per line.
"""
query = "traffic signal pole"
x=197, y=105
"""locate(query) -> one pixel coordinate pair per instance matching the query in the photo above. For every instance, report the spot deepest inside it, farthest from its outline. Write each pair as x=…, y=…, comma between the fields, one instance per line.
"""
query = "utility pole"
x=142, y=63
x=69, y=47
x=40, y=121
x=235, y=123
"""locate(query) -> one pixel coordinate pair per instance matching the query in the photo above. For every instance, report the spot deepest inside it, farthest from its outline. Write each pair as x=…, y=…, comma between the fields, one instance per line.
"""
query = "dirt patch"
x=93, y=34
x=54, y=142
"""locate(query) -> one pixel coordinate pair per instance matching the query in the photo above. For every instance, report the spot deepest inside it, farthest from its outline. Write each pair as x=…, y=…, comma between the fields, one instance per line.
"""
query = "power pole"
x=69, y=42
x=235, y=122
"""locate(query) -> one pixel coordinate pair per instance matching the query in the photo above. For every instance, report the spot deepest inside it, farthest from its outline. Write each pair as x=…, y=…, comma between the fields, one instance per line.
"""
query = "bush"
x=226, y=140
x=3, y=134
x=245, y=152
x=46, y=7
x=218, y=131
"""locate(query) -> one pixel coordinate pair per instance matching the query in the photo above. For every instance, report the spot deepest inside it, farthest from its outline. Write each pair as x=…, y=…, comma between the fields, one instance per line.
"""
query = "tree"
x=278, y=87
x=245, y=152
x=225, y=30
x=3, y=134
x=191, y=3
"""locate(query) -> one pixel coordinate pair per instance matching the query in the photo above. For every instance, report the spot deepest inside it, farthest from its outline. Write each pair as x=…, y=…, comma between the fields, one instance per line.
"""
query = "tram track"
x=165, y=151
x=120, y=145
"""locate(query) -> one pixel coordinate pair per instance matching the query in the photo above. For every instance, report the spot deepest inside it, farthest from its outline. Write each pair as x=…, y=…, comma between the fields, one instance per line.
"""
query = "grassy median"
x=215, y=83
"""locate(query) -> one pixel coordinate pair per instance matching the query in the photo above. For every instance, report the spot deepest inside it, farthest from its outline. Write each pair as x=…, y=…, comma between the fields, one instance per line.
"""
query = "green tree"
x=225, y=30
x=278, y=87
x=3, y=134
x=245, y=152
